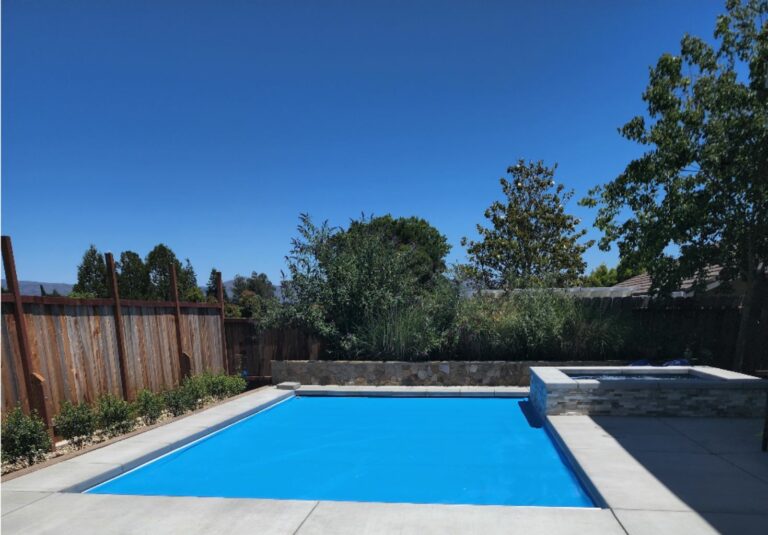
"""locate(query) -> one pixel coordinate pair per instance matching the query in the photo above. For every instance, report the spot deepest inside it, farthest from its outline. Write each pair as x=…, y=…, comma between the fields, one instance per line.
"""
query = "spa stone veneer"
x=712, y=392
x=433, y=373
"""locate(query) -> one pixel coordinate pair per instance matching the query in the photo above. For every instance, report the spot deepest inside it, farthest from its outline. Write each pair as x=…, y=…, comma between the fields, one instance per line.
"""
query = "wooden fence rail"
x=57, y=349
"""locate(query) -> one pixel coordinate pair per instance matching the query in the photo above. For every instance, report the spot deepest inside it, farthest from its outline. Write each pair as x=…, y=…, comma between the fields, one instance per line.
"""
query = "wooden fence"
x=251, y=350
x=58, y=348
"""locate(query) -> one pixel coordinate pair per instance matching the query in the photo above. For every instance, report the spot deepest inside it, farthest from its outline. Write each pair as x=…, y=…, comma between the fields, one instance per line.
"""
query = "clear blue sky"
x=210, y=126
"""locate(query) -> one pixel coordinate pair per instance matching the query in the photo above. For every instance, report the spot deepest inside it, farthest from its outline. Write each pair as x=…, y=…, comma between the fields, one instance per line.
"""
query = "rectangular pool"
x=414, y=450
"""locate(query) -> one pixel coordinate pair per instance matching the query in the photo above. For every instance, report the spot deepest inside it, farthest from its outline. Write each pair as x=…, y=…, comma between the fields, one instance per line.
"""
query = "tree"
x=425, y=246
x=158, y=264
x=212, y=287
x=91, y=275
x=188, y=288
x=133, y=276
x=699, y=195
x=357, y=289
x=601, y=277
x=532, y=241
x=258, y=284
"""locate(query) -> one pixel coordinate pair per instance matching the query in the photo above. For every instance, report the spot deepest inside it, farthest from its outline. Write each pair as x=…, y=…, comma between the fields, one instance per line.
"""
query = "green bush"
x=535, y=325
x=195, y=390
x=76, y=423
x=115, y=415
x=24, y=437
x=149, y=406
x=176, y=401
x=234, y=385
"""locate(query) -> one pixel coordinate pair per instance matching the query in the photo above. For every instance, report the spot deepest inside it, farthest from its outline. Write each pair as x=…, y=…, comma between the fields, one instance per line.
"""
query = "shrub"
x=24, y=437
x=149, y=406
x=234, y=385
x=115, y=415
x=76, y=423
x=175, y=401
x=535, y=325
x=195, y=391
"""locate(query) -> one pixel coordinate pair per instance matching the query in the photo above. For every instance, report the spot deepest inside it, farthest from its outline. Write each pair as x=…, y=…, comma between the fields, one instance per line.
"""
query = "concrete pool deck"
x=656, y=475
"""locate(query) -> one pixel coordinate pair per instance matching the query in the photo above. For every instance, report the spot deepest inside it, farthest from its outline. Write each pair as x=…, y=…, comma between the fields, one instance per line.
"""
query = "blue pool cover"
x=415, y=450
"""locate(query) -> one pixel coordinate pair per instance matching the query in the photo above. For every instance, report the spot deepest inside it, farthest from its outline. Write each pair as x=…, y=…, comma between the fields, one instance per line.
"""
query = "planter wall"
x=435, y=373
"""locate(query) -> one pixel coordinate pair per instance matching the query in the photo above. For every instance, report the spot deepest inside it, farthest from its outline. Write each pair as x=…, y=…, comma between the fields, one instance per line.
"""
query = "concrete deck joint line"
x=306, y=517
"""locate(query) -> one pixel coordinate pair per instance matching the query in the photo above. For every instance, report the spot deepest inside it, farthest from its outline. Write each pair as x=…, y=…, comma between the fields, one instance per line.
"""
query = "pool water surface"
x=415, y=450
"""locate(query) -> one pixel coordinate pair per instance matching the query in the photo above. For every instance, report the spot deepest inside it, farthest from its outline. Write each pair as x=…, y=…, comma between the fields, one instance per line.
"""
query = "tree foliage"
x=355, y=287
x=158, y=264
x=699, y=195
x=133, y=276
x=531, y=240
x=601, y=277
x=212, y=287
x=425, y=248
x=91, y=275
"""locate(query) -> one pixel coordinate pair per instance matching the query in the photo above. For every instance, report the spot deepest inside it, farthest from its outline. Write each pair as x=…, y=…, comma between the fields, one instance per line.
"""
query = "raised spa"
x=698, y=391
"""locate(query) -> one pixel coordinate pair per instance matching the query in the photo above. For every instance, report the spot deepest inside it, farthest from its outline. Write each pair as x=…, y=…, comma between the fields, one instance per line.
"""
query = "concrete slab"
x=754, y=463
x=106, y=514
x=128, y=453
x=13, y=500
x=721, y=435
x=346, y=518
x=656, y=523
x=67, y=476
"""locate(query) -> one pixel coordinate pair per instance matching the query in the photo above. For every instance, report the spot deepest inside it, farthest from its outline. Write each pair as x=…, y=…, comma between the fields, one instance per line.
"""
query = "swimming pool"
x=415, y=450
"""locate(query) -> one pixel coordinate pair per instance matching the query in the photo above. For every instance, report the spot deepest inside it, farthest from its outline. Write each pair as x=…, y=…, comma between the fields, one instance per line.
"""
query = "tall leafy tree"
x=531, y=240
x=158, y=264
x=133, y=276
x=211, y=287
x=91, y=275
x=601, y=277
x=698, y=196
x=188, y=288
x=425, y=247
x=258, y=284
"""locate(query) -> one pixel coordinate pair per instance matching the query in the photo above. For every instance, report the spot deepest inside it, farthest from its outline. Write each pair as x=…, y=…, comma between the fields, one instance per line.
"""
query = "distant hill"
x=33, y=287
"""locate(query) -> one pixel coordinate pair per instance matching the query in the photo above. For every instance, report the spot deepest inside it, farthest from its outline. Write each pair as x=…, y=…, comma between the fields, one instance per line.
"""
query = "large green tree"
x=425, y=247
x=358, y=288
x=212, y=287
x=133, y=276
x=258, y=284
x=158, y=264
x=91, y=275
x=698, y=196
x=531, y=240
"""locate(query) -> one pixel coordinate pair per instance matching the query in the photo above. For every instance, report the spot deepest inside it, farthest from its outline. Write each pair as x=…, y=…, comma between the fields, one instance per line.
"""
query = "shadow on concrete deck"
x=691, y=475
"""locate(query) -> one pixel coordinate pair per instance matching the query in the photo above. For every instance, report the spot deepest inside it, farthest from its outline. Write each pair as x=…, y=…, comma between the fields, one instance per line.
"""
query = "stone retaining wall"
x=433, y=373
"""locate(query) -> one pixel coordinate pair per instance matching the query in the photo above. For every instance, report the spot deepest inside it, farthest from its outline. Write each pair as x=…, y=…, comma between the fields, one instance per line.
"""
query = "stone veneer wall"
x=665, y=400
x=433, y=373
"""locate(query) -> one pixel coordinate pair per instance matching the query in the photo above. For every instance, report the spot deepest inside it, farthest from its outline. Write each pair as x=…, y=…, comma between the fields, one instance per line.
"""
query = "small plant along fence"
x=56, y=349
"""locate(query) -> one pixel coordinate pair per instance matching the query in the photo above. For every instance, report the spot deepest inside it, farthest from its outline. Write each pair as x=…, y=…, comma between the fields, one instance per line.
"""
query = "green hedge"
x=26, y=438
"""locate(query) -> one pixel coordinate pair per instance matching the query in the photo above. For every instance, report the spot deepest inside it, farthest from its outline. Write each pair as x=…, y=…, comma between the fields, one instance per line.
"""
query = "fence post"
x=220, y=298
x=33, y=379
x=115, y=294
x=185, y=364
